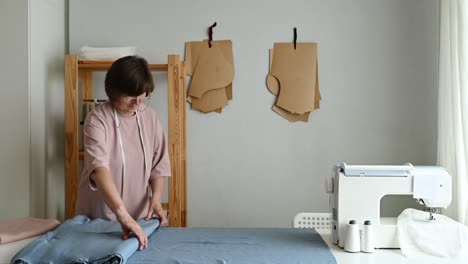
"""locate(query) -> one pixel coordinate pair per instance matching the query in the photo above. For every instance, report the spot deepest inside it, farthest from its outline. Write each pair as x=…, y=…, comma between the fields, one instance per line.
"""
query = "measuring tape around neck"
x=140, y=132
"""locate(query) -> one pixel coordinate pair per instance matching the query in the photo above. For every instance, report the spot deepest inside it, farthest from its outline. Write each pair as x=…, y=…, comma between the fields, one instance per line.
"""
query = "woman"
x=126, y=157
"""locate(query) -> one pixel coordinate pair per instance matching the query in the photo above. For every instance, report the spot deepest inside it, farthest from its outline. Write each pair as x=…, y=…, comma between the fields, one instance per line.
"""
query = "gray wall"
x=32, y=47
x=250, y=167
x=14, y=109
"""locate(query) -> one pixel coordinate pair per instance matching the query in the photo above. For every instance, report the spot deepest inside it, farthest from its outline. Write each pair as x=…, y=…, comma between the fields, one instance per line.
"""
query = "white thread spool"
x=352, y=240
x=368, y=244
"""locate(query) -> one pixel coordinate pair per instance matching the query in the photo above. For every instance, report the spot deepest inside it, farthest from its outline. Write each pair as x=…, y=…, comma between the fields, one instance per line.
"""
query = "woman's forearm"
x=103, y=180
x=157, y=188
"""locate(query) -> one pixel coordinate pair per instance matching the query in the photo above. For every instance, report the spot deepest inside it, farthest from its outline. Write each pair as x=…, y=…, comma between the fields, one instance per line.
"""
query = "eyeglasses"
x=142, y=100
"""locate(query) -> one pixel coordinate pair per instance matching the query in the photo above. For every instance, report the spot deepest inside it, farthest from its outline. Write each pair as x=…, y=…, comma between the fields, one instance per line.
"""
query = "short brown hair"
x=128, y=76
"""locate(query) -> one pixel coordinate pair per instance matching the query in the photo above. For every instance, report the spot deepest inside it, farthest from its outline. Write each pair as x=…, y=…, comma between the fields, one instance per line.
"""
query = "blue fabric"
x=82, y=240
x=234, y=246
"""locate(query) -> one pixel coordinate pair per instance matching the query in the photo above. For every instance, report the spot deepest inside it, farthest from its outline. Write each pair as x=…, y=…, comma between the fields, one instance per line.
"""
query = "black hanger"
x=210, y=34
x=295, y=38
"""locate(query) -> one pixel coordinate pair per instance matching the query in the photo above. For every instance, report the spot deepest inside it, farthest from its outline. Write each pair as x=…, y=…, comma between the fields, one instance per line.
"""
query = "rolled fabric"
x=84, y=240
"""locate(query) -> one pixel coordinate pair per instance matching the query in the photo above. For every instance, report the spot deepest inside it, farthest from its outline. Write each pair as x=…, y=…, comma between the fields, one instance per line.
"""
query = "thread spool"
x=367, y=239
x=352, y=240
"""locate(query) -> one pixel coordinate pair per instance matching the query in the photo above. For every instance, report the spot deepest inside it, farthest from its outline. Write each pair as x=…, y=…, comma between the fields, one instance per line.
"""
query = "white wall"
x=14, y=109
x=49, y=40
x=250, y=167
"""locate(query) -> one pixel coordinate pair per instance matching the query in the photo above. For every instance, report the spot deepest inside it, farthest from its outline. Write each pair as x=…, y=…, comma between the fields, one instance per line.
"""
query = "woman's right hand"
x=130, y=225
x=104, y=183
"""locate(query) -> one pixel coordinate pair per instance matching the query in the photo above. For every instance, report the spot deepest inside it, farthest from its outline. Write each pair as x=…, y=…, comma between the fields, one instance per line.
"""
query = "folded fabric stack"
x=27, y=227
x=106, y=54
x=82, y=240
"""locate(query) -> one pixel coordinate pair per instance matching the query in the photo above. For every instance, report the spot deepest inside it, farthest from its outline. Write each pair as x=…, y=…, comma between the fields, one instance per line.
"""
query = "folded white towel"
x=442, y=237
x=106, y=54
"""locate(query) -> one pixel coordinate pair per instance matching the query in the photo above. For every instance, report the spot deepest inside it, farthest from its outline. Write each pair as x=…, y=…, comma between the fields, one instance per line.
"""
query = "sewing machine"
x=356, y=192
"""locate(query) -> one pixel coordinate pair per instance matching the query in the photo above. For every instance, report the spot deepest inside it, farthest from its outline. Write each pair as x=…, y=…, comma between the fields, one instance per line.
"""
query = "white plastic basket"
x=320, y=221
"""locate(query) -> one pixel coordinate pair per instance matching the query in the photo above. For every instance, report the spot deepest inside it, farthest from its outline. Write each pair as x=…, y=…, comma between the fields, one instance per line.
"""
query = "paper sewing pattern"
x=290, y=79
x=212, y=71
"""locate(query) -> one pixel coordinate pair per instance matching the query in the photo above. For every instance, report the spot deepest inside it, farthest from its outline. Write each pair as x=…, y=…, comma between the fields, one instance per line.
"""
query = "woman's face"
x=128, y=105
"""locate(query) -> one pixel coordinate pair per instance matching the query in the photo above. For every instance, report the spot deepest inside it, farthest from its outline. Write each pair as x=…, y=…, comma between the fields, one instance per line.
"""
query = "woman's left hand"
x=155, y=208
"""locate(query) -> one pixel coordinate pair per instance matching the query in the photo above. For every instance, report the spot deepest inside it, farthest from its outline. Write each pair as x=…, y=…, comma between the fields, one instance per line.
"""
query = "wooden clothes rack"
x=75, y=69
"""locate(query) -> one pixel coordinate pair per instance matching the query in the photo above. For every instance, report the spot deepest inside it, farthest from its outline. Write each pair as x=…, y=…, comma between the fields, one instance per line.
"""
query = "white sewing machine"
x=356, y=192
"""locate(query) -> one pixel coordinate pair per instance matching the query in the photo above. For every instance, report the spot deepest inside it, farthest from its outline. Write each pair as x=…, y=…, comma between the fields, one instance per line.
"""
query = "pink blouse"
x=102, y=149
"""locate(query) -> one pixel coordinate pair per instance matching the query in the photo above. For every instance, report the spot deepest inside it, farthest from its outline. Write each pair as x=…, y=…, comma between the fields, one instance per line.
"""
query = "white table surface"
x=7, y=251
x=380, y=256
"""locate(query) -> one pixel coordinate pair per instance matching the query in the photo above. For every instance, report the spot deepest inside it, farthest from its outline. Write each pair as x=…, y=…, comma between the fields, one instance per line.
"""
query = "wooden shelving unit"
x=76, y=69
